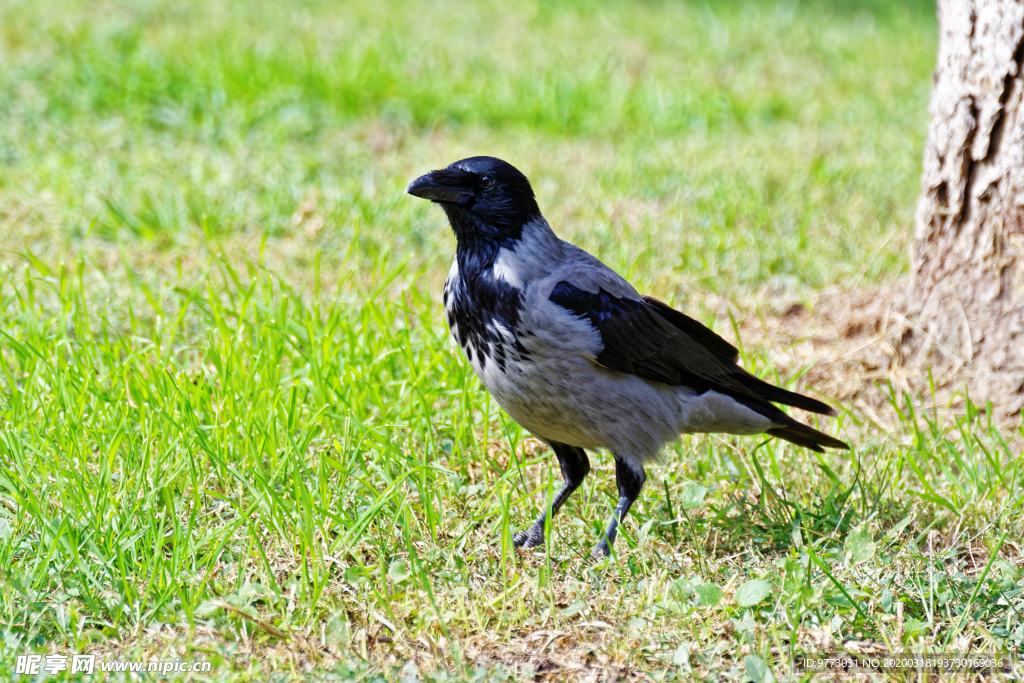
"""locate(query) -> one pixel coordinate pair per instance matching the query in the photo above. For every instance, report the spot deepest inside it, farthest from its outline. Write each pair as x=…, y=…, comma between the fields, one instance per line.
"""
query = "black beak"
x=429, y=187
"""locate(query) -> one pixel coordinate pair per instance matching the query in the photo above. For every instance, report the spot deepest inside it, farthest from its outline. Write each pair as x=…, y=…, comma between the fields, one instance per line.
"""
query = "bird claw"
x=531, y=538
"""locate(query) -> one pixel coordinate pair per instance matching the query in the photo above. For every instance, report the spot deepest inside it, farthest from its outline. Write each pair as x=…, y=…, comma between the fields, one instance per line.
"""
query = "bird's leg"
x=575, y=467
x=629, y=479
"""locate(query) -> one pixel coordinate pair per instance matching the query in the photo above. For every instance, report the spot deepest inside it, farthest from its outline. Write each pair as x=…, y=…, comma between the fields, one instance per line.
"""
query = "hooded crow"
x=575, y=355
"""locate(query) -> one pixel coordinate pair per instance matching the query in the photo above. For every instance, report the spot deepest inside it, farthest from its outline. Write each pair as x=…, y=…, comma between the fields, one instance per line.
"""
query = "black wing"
x=649, y=339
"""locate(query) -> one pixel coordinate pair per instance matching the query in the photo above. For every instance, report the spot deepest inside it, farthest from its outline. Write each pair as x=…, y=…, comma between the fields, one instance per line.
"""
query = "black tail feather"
x=770, y=392
x=786, y=427
x=805, y=436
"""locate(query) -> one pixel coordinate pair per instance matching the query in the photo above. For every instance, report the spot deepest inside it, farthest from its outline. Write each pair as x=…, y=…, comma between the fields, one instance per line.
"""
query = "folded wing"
x=644, y=337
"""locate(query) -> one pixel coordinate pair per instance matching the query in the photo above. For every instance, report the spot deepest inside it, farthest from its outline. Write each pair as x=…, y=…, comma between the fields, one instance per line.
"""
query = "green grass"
x=233, y=428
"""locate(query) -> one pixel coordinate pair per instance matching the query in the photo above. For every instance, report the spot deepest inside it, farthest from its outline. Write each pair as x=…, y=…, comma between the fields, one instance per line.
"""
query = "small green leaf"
x=900, y=526
x=355, y=575
x=636, y=623
x=691, y=495
x=912, y=626
x=756, y=668
x=885, y=600
x=206, y=609
x=575, y=608
x=337, y=631
x=399, y=571
x=859, y=546
x=752, y=592
x=682, y=655
x=708, y=594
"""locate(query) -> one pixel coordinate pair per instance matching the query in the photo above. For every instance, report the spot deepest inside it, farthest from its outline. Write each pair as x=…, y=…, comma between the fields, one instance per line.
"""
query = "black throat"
x=478, y=243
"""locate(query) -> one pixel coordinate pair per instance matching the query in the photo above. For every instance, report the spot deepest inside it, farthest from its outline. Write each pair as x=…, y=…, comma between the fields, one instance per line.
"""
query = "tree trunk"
x=967, y=296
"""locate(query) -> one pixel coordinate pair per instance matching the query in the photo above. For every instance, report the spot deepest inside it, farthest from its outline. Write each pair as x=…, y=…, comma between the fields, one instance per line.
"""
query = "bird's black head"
x=488, y=201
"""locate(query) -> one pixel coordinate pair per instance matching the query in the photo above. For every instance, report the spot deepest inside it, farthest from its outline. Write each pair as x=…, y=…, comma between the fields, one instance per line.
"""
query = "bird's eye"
x=486, y=182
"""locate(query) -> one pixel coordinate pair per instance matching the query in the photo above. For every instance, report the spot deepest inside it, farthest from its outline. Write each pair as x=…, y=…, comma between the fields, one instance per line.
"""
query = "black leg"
x=629, y=481
x=575, y=467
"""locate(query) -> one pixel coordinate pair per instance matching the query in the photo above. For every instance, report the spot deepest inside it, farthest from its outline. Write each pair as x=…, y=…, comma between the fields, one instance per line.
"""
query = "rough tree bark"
x=967, y=294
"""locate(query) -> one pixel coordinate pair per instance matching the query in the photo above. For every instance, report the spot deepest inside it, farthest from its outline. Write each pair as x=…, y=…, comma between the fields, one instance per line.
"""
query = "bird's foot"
x=601, y=550
x=531, y=538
